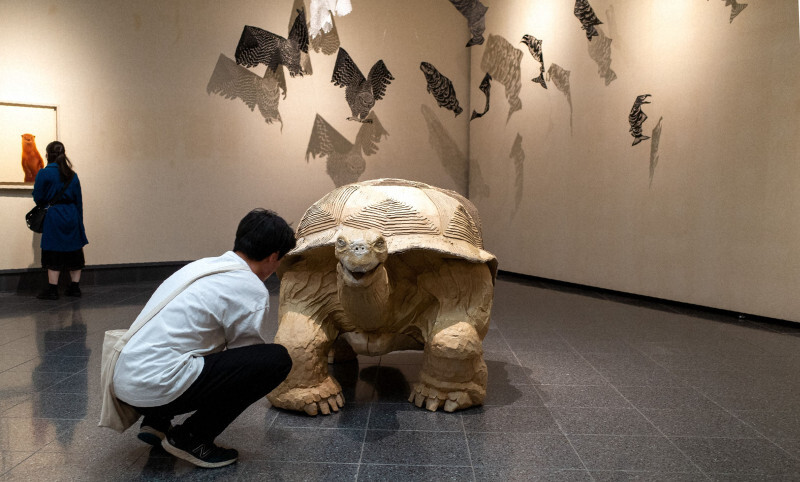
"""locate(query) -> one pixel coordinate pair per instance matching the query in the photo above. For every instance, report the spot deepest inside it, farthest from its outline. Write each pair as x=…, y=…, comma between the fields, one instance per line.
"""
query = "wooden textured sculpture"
x=387, y=265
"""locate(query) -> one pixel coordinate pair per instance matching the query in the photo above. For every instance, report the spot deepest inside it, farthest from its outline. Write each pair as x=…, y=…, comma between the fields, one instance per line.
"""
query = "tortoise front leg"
x=307, y=329
x=454, y=375
x=308, y=386
x=453, y=372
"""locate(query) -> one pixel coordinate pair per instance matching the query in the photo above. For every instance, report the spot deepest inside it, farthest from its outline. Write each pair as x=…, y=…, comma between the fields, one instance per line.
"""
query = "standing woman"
x=63, y=234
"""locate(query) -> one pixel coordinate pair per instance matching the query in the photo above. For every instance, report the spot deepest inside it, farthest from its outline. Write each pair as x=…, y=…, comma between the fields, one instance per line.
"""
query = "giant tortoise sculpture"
x=387, y=265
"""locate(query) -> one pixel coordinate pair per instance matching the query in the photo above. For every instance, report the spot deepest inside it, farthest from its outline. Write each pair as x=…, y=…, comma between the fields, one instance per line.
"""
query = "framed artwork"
x=25, y=131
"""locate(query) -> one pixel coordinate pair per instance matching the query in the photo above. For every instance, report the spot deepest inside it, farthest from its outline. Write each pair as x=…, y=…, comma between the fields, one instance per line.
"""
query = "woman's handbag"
x=114, y=413
x=35, y=217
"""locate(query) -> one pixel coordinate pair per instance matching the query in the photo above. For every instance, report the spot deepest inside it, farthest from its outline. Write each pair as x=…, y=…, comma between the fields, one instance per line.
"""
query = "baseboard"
x=647, y=301
x=33, y=279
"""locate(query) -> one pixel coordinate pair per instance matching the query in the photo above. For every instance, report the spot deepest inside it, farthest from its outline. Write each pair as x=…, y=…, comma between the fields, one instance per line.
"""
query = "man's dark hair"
x=262, y=232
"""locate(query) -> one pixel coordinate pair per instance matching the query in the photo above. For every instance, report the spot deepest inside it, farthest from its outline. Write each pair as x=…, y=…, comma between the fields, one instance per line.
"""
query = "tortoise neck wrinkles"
x=365, y=300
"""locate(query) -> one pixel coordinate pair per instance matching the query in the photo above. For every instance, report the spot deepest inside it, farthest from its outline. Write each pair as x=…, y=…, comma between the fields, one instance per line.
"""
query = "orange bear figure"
x=31, y=159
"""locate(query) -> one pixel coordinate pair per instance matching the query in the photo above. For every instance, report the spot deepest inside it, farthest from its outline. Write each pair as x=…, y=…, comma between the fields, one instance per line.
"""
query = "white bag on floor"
x=114, y=413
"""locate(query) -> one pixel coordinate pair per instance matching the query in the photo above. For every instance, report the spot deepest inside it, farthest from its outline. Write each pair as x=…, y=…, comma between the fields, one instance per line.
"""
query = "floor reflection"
x=68, y=332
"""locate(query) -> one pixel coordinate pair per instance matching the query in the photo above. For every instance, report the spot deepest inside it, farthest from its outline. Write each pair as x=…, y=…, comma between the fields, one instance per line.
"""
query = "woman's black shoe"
x=49, y=293
x=74, y=289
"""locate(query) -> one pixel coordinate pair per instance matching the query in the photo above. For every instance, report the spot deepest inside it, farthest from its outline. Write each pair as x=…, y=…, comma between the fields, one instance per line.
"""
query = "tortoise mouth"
x=358, y=278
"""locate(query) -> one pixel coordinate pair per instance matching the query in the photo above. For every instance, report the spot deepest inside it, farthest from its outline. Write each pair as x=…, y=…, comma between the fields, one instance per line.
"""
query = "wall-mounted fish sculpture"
x=535, y=46
x=441, y=88
x=233, y=81
x=560, y=77
x=600, y=52
x=258, y=46
x=502, y=60
x=588, y=19
x=475, y=12
x=360, y=93
x=485, y=87
x=637, y=118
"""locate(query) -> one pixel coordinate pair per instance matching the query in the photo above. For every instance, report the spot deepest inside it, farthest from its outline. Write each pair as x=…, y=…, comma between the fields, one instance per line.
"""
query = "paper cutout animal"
x=441, y=88
x=637, y=118
x=588, y=19
x=485, y=87
x=359, y=92
x=475, y=12
x=535, y=47
x=257, y=46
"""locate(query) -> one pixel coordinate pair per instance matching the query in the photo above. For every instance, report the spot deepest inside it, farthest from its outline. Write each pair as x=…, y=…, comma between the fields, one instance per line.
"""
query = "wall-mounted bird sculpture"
x=361, y=93
x=258, y=46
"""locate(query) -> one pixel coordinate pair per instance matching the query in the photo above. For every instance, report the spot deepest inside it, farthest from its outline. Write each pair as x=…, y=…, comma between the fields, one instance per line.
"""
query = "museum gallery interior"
x=615, y=179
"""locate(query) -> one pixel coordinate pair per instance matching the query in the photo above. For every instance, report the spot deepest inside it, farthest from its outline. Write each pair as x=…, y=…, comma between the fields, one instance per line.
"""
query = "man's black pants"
x=231, y=381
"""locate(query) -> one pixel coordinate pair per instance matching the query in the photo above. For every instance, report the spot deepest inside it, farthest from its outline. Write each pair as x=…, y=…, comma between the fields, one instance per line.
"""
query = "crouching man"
x=206, y=351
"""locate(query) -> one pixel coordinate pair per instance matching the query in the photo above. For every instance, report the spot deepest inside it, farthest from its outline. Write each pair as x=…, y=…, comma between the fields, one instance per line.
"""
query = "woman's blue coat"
x=63, y=226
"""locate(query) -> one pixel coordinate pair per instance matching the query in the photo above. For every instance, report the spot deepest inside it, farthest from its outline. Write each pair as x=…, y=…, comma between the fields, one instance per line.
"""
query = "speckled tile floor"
x=582, y=386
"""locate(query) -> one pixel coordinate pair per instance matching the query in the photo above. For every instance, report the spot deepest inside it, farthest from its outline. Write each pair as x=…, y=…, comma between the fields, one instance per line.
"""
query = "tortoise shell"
x=410, y=215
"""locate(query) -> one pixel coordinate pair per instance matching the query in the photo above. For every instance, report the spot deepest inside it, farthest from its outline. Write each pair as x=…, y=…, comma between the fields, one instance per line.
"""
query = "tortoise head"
x=360, y=252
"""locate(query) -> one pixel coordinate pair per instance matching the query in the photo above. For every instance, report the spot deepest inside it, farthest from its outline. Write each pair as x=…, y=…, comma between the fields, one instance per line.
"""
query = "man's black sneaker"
x=153, y=431
x=202, y=454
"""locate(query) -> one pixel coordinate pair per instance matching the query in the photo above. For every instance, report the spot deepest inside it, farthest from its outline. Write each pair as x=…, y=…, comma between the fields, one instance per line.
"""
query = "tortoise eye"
x=341, y=242
x=380, y=243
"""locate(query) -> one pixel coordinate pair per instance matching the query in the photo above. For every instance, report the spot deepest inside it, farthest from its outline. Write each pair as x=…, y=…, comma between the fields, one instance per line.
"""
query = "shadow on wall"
x=344, y=159
x=36, y=247
x=232, y=81
x=654, y=141
x=600, y=52
x=453, y=160
x=305, y=58
x=327, y=43
x=560, y=78
x=518, y=156
x=502, y=61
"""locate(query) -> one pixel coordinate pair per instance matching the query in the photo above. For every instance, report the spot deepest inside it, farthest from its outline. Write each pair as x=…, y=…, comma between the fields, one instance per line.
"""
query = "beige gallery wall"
x=717, y=224
x=167, y=169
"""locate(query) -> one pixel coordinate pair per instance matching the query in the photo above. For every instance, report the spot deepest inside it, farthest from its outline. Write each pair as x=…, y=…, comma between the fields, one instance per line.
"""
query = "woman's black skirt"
x=63, y=260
